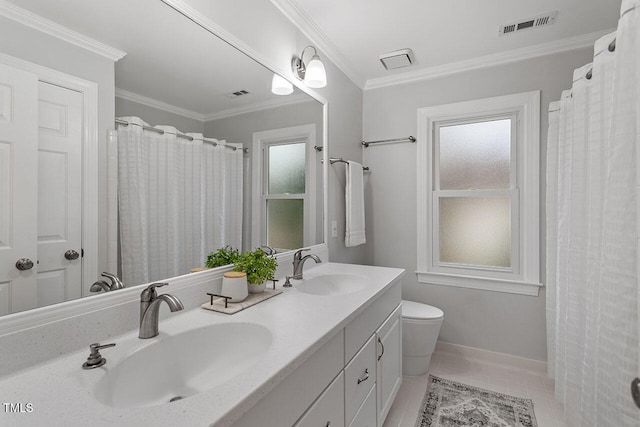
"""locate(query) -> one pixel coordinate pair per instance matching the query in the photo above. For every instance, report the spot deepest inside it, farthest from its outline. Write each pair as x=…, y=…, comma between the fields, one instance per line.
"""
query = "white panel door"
x=59, y=194
x=18, y=181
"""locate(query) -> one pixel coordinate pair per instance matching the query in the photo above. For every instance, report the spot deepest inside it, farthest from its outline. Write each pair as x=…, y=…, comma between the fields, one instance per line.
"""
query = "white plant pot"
x=234, y=285
x=257, y=289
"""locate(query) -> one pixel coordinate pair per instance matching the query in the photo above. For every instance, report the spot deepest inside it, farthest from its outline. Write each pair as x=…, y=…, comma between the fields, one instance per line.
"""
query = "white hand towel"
x=354, y=205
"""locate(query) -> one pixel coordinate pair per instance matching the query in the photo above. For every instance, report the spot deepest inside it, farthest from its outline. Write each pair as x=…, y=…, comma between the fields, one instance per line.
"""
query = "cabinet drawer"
x=359, y=377
x=366, y=416
x=328, y=409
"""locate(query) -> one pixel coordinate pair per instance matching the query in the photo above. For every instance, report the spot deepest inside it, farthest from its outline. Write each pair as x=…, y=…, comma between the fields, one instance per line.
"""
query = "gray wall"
x=501, y=322
x=34, y=46
x=155, y=117
x=240, y=129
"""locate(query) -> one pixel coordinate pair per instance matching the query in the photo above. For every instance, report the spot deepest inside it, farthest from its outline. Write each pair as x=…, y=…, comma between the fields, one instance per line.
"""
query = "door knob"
x=71, y=255
x=24, y=264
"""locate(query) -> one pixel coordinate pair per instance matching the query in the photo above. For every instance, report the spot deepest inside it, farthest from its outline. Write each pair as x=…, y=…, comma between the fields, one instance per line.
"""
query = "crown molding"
x=37, y=22
x=289, y=100
x=542, y=49
x=154, y=103
x=305, y=24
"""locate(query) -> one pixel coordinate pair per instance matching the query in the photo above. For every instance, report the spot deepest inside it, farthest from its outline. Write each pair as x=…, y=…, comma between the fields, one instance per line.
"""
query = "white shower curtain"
x=592, y=233
x=174, y=200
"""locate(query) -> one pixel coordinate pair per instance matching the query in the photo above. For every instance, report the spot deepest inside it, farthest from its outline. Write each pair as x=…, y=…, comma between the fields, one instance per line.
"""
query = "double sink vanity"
x=325, y=352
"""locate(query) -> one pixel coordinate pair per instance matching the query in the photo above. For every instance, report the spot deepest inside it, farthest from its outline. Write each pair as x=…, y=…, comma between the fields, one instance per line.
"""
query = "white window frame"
x=523, y=275
x=261, y=140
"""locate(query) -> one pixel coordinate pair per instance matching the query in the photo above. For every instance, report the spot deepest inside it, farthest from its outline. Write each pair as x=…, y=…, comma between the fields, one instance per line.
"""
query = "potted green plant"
x=223, y=256
x=259, y=267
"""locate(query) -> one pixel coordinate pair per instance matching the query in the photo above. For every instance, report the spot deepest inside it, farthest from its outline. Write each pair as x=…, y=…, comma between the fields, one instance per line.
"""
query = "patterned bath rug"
x=451, y=404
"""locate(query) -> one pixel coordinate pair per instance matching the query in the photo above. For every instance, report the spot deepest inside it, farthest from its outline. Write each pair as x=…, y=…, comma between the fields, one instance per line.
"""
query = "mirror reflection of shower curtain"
x=175, y=197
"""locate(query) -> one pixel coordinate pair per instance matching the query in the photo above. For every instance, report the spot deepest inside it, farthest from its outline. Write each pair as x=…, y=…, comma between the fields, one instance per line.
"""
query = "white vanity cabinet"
x=328, y=409
x=389, y=363
x=360, y=379
x=383, y=350
x=350, y=381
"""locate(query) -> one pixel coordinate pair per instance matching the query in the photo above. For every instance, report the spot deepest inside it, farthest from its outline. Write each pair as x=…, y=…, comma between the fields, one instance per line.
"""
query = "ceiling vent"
x=236, y=93
x=535, y=22
x=397, y=59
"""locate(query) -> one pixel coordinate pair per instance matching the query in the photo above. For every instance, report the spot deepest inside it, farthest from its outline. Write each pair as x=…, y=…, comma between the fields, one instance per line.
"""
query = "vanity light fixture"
x=281, y=86
x=313, y=73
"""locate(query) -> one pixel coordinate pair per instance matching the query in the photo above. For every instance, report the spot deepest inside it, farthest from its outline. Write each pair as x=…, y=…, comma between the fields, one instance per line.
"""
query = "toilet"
x=420, y=328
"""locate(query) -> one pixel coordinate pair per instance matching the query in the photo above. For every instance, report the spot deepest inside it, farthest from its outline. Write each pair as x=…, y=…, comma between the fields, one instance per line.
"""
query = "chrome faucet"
x=116, y=283
x=101, y=285
x=268, y=250
x=150, y=307
x=298, y=265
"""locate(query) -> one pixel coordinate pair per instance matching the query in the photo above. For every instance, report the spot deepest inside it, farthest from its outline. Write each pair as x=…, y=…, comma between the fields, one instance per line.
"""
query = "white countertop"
x=61, y=392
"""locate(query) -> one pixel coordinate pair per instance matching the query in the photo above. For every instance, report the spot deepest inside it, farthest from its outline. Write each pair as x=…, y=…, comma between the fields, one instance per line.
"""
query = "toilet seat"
x=418, y=311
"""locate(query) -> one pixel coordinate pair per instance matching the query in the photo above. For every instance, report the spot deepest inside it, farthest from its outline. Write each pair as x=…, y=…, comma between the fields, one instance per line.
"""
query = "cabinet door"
x=389, y=366
x=328, y=409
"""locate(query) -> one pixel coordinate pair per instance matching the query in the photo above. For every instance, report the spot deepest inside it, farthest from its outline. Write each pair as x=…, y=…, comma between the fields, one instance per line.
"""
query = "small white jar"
x=234, y=285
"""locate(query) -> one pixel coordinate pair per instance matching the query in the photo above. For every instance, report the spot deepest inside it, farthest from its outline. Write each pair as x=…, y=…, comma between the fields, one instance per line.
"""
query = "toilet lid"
x=416, y=310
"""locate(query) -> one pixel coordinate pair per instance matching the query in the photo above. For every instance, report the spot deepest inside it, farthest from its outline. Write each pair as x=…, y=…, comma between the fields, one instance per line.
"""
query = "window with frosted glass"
x=475, y=155
x=285, y=223
x=285, y=194
x=475, y=231
x=286, y=168
x=473, y=192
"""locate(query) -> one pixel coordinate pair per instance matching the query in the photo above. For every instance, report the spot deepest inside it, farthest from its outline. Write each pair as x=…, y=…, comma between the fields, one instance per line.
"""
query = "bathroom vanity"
x=326, y=352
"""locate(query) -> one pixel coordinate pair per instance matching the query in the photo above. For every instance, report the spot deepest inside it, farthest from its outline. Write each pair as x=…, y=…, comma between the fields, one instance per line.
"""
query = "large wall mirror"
x=207, y=157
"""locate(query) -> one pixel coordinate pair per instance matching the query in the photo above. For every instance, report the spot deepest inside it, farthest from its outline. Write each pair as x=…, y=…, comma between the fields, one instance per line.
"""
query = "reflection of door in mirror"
x=284, y=217
x=40, y=192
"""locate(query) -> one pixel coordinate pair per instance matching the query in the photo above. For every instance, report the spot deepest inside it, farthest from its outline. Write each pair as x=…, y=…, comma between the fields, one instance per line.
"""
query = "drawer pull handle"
x=382, y=345
x=366, y=376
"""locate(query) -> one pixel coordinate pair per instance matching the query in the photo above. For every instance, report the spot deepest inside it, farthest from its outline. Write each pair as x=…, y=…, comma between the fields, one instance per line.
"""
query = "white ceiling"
x=355, y=32
x=168, y=57
x=172, y=60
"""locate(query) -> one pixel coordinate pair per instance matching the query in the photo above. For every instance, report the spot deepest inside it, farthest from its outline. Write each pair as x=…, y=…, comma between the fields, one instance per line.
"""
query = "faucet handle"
x=150, y=291
x=116, y=283
x=298, y=253
x=268, y=250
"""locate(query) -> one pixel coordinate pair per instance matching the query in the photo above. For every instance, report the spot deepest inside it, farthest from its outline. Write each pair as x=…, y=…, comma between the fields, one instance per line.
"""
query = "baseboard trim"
x=536, y=367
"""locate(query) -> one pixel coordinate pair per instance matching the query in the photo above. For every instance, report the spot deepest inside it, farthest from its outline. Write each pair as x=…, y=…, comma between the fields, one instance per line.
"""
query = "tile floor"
x=520, y=383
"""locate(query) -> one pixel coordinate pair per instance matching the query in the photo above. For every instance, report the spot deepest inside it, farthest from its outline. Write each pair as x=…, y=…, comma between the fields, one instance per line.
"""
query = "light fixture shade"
x=281, y=86
x=316, y=76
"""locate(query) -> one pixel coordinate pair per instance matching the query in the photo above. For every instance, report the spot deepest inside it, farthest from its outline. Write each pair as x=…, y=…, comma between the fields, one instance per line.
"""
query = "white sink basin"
x=333, y=284
x=182, y=365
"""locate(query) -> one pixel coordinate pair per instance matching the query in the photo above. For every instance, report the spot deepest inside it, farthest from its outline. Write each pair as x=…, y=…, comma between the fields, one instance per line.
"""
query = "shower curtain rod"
x=410, y=139
x=333, y=160
x=179, y=135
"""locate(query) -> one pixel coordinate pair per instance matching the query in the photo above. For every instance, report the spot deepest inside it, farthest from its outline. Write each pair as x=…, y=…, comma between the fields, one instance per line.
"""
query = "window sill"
x=481, y=283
